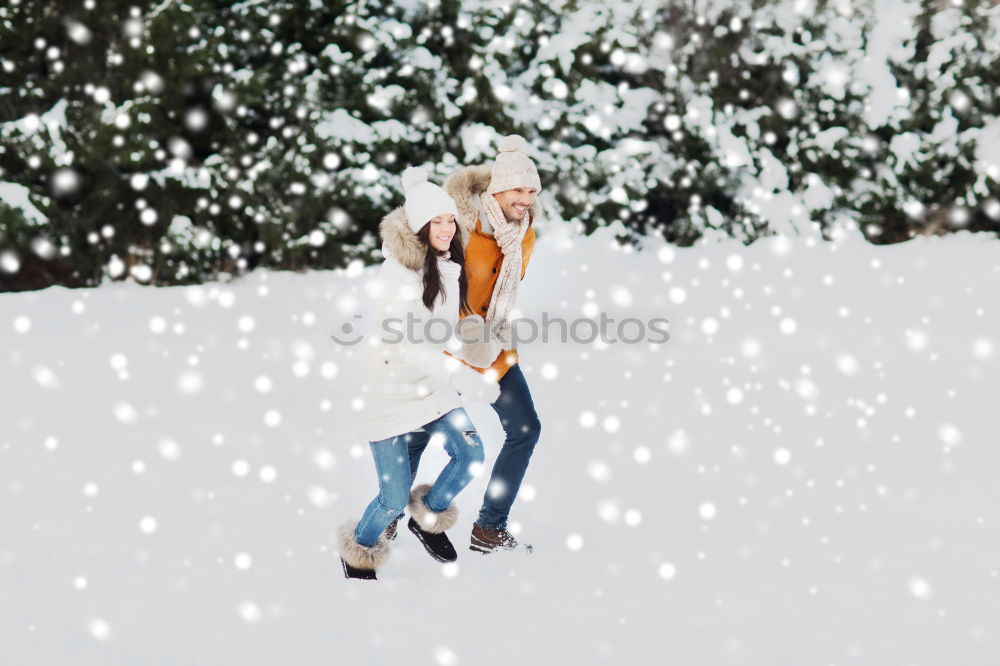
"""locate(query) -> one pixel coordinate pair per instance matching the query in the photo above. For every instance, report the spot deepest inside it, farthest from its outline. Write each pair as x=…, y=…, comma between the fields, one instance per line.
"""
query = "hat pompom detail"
x=513, y=144
x=412, y=177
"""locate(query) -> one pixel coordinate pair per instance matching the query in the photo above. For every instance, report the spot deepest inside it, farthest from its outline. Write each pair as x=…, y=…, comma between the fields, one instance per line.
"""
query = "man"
x=496, y=210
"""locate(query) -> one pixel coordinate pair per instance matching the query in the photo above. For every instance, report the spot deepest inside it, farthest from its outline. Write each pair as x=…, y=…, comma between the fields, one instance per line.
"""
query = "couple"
x=459, y=252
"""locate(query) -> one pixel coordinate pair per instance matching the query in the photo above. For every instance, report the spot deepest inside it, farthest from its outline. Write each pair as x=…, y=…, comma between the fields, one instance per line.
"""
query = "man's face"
x=515, y=203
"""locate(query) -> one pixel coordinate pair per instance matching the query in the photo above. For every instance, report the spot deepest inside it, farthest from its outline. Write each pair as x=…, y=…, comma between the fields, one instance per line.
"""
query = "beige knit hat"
x=424, y=199
x=513, y=168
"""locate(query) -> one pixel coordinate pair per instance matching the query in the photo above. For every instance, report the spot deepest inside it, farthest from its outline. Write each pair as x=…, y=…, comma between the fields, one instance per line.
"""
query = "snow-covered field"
x=805, y=474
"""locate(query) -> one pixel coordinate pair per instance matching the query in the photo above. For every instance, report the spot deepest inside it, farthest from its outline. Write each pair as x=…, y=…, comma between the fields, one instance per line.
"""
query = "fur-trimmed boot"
x=360, y=561
x=429, y=526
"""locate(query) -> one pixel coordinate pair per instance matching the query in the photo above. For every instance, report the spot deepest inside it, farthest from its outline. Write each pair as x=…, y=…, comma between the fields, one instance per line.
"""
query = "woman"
x=411, y=387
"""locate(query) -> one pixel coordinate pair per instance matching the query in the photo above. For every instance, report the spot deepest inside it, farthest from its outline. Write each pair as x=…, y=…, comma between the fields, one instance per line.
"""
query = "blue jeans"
x=522, y=428
x=395, y=476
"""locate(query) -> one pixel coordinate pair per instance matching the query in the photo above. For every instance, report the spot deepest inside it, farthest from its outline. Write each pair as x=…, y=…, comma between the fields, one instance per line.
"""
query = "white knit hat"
x=512, y=167
x=424, y=199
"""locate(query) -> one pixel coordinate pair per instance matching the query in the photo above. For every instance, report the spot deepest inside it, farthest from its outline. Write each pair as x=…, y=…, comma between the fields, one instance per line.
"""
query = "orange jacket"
x=483, y=257
x=482, y=264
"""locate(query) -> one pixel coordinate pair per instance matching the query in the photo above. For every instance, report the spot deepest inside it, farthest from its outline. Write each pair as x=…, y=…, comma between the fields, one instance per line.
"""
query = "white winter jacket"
x=407, y=379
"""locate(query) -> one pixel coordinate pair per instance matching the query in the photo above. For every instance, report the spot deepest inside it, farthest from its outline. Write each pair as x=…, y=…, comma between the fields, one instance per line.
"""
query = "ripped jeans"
x=522, y=427
x=392, y=463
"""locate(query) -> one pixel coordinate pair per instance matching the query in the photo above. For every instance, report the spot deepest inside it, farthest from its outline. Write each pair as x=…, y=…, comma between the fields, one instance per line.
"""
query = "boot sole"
x=420, y=538
x=357, y=574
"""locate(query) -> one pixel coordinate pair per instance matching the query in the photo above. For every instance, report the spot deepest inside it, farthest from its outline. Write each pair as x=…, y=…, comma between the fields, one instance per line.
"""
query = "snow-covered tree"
x=172, y=142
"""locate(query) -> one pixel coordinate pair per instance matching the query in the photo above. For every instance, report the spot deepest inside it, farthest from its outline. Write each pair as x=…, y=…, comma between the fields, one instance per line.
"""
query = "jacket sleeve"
x=429, y=358
x=404, y=319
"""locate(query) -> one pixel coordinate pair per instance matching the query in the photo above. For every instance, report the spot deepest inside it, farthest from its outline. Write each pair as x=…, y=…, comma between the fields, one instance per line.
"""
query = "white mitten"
x=475, y=386
x=479, y=347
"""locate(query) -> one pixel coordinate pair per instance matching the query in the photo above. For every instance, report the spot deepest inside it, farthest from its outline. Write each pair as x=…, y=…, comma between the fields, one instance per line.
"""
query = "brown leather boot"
x=487, y=541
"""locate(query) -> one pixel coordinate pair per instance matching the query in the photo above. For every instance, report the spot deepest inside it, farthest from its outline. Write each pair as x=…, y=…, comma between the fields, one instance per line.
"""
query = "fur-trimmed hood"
x=470, y=182
x=400, y=241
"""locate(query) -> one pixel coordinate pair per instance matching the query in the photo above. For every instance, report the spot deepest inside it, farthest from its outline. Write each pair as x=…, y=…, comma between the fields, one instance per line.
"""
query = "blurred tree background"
x=173, y=142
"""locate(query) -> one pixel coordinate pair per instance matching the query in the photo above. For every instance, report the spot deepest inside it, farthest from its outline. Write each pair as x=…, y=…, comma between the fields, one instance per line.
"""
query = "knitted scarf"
x=508, y=236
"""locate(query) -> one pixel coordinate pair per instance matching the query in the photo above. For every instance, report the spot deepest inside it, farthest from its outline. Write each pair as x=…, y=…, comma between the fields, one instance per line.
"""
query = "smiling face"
x=515, y=203
x=441, y=231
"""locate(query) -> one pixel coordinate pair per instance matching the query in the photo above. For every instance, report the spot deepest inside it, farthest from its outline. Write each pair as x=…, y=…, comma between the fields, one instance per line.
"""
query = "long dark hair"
x=432, y=276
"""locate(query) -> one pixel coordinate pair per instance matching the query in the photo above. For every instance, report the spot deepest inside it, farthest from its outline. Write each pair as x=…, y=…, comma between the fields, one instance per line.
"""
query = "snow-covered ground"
x=805, y=474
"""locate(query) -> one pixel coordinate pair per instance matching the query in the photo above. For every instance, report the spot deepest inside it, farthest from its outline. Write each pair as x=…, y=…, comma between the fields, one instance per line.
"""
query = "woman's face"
x=442, y=231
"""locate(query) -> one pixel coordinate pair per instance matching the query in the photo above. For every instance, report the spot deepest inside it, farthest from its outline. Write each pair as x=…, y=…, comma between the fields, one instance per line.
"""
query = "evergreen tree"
x=171, y=142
